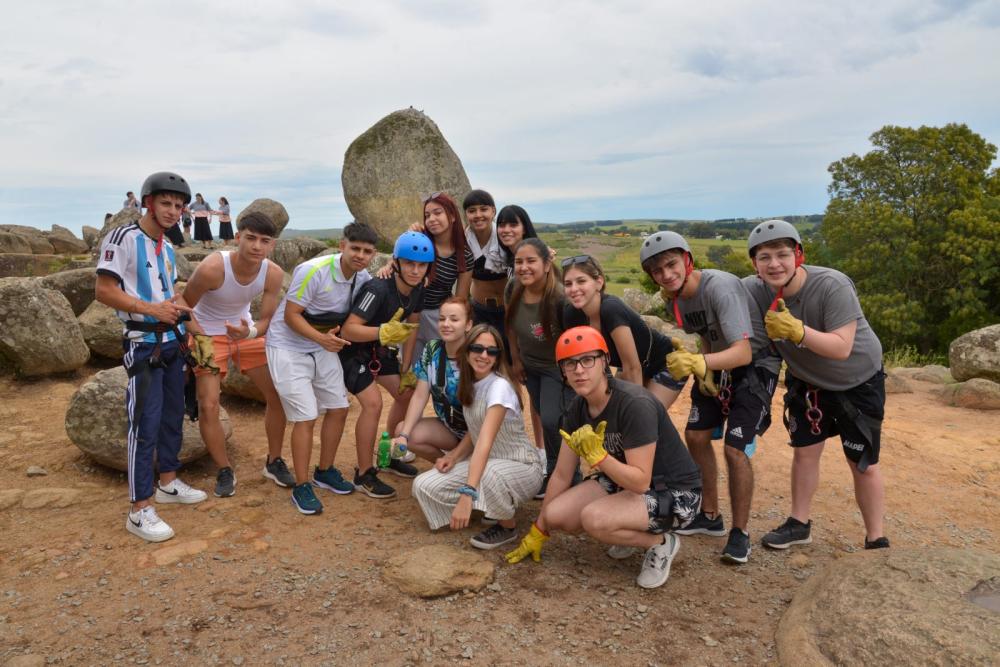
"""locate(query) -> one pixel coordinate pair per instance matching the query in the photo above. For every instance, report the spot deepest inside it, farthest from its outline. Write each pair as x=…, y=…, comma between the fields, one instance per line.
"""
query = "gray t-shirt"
x=720, y=313
x=636, y=418
x=538, y=351
x=827, y=301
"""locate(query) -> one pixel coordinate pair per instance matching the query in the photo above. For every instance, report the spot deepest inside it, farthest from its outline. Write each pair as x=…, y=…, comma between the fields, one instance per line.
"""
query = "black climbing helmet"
x=165, y=181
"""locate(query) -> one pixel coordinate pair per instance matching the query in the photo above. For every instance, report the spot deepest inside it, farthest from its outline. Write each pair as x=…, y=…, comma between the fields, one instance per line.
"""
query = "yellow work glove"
x=782, y=325
x=682, y=363
x=203, y=352
x=407, y=380
x=395, y=332
x=587, y=443
x=531, y=544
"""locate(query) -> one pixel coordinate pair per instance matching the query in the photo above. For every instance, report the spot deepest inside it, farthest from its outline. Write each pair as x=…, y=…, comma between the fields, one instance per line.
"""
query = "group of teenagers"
x=461, y=317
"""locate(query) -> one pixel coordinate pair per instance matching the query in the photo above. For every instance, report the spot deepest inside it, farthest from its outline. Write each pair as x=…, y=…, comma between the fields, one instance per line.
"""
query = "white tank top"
x=230, y=302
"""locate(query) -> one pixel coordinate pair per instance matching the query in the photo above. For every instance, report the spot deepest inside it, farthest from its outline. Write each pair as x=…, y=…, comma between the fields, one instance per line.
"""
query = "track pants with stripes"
x=154, y=400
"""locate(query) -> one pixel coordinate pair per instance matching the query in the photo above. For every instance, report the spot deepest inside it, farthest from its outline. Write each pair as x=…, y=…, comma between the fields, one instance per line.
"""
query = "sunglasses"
x=431, y=196
x=578, y=259
x=492, y=351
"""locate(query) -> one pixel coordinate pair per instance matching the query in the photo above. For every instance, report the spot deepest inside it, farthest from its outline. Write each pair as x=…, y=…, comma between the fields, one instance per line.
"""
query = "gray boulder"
x=184, y=267
x=35, y=238
x=97, y=423
x=39, y=334
x=11, y=242
x=77, y=285
x=394, y=164
x=935, y=373
x=22, y=265
x=238, y=384
x=897, y=383
x=64, y=242
x=641, y=301
x=975, y=394
x=102, y=330
x=289, y=253
x=928, y=605
x=122, y=217
x=91, y=236
x=194, y=254
x=269, y=207
x=438, y=569
x=670, y=331
x=976, y=354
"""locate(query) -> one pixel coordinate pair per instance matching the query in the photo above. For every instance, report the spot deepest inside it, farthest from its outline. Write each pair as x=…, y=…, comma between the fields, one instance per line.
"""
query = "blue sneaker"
x=331, y=480
x=305, y=500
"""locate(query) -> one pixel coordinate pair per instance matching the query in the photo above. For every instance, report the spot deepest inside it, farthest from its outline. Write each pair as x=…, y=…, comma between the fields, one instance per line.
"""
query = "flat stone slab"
x=436, y=570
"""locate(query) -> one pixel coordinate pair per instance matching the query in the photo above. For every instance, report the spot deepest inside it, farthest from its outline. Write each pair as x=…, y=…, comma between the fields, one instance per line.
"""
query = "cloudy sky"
x=575, y=110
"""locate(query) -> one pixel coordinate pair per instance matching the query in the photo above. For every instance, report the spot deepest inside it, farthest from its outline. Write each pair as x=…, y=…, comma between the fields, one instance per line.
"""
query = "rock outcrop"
x=122, y=217
x=394, y=164
x=39, y=334
x=975, y=394
x=641, y=301
x=35, y=238
x=976, y=354
x=436, y=570
x=97, y=423
x=272, y=209
x=91, y=235
x=102, y=331
x=289, y=253
x=65, y=242
x=77, y=285
x=21, y=265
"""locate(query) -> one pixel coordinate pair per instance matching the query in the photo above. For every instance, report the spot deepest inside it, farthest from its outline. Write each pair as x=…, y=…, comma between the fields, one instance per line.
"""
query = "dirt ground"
x=262, y=584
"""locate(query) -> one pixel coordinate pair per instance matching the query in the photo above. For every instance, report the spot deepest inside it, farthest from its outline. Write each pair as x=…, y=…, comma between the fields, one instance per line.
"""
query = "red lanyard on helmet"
x=688, y=268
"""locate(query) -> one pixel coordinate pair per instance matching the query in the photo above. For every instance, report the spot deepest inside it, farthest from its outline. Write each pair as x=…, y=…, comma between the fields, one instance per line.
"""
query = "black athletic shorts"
x=358, y=368
x=855, y=415
x=749, y=407
x=668, y=509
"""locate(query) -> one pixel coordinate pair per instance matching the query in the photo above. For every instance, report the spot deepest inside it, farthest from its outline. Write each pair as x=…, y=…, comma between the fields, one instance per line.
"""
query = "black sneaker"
x=278, y=472
x=791, y=532
x=880, y=543
x=372, y=485
x=737, y=548
x=225, y=483
x=541, y=492
x=702, y=525
x=493, y=537
x=400, y=469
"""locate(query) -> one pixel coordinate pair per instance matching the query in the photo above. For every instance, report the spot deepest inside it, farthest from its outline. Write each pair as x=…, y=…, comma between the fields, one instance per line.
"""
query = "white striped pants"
x=504, y=486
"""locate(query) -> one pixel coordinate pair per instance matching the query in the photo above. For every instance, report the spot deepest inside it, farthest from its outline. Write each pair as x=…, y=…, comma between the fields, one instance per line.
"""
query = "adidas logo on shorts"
x=737, y=432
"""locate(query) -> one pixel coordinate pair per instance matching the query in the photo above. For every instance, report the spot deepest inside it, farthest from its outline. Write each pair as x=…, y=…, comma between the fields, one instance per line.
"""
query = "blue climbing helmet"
x=415, y=247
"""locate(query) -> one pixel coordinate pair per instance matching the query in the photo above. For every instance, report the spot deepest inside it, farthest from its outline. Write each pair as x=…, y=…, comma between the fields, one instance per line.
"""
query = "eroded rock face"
x=22, y=265
x=642, y=302
x=97, y=423
x=77, y=285
x=269, y=207
x=39, y=334
x=976, y=354
x=238, y=384
x=65, y=242
x=975, y=394
x=887, y=607
x=670, y=331
x=35, y=238
x=122, y=217
x=289, y=253
x=394, y=164
x=438, y=569
x=102, y=330
x=90, y=236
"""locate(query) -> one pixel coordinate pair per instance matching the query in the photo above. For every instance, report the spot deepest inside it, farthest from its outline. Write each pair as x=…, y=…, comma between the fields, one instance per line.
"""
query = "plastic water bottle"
x=399, y=450
x=384, y=456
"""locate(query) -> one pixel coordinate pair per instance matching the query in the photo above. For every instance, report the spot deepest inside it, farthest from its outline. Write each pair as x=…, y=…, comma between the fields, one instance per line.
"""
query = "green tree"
x=915, y=223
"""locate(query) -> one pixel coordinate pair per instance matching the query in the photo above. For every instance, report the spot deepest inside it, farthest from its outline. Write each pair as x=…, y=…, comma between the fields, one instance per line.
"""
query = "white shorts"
x=307, y=382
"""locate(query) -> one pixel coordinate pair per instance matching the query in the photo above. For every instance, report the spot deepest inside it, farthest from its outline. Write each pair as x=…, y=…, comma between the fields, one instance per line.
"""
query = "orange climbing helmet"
x=579, y=340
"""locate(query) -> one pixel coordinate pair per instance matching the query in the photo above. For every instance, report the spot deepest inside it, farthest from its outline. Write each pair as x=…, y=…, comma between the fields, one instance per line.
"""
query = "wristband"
x=405, y=436
x=252, y=332
x=467, y=490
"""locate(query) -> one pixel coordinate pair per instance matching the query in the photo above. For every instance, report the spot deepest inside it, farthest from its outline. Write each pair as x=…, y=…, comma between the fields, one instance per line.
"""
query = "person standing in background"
x=202, y=219
x=130, y=201
x=225, y=222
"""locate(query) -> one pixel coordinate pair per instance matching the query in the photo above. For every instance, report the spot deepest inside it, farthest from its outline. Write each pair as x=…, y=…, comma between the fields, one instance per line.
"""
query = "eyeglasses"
x=569, y=365
x=492, y=351
x=431, y=196
x=578, y=259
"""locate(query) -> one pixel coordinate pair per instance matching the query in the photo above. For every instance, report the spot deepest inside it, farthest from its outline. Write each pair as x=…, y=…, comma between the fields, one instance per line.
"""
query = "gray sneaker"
x=278, y=472
x=225, y=483
x=656, y=565
x=493, y=537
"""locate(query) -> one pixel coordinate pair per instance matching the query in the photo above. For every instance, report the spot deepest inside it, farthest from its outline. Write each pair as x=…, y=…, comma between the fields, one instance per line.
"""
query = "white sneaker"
x=179, y=492
x=408, y=457
x=656, y=565
x=148, y=525
x=620, y=551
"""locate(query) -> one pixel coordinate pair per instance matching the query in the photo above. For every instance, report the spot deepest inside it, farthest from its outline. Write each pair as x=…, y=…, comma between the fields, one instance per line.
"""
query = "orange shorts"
x=247, y=354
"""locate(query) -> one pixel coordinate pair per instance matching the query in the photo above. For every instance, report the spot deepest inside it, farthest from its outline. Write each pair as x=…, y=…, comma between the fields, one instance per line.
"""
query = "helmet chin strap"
x=159, y=239
x=688, y=268
x=800, y=256
x=399, y=272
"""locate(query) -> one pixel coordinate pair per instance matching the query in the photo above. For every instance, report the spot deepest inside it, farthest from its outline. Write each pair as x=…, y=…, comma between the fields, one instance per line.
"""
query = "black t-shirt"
x=635, y=418
x=377, y=301
x=651, y=346
x=445, y=276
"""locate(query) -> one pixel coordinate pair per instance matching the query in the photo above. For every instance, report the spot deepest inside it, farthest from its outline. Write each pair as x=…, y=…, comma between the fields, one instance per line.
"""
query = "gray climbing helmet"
x=772, y=230
x=165, y=181
x=658, y=242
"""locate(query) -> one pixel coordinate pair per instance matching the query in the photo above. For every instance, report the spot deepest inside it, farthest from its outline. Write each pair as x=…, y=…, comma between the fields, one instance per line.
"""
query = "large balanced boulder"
x=39, y=334
x=895, y=607
x=97, y=423
x=289, y=253
x=77, y=285
x=394, y=164
x=976, y=354
x=438, y=569
x=65, y=242
x=272, y=209
x=102, y=330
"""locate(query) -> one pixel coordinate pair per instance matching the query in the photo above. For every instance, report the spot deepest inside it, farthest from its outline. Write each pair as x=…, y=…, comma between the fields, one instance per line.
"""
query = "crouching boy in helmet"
x=644, y=485
x=136, y=272
x=835, y=383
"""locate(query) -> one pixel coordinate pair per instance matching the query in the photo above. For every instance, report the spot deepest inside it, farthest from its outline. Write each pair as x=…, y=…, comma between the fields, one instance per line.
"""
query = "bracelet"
x=405, y=436
x=467, y=490
x=252, y=333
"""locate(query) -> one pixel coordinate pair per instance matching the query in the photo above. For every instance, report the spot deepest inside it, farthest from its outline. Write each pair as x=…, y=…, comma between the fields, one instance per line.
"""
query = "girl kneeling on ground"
x=495, y=468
